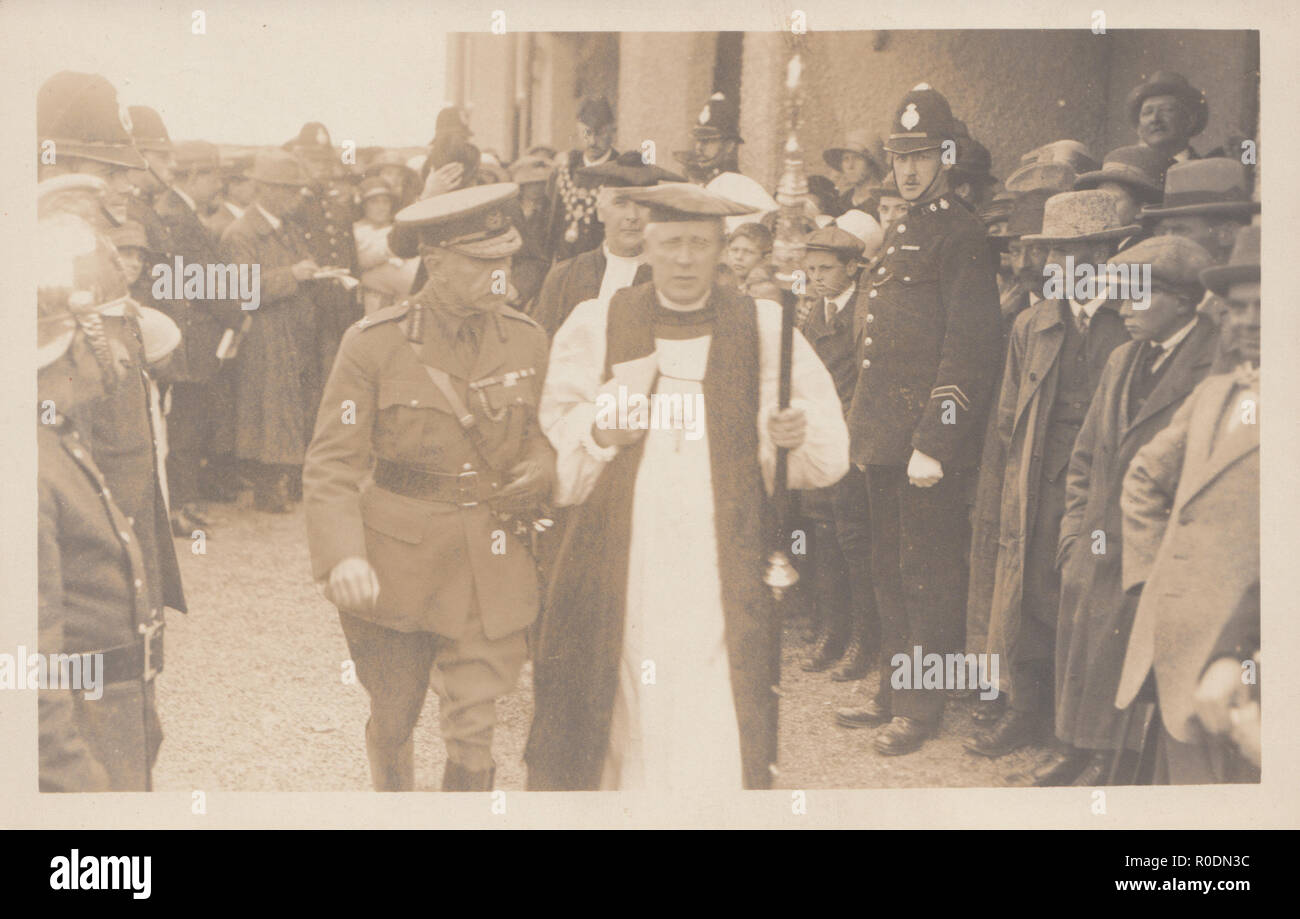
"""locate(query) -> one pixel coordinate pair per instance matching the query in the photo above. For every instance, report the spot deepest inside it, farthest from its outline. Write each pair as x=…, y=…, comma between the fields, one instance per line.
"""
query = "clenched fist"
x=787, y=427
x=353, y=585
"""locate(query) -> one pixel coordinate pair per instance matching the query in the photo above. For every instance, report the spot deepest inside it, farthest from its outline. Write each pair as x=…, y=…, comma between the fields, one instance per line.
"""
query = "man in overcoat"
x=1144, y=383
x=1057, y=352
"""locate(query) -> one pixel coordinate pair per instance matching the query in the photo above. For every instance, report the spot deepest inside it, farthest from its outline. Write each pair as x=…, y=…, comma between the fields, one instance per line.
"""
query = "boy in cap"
x=426, y=456
x=1193, y=482
x=615, y=262
x=841, y=551
x=662, y=558
x=1142, y=386
x=574, y=227
x=1057, y=352
x=927, y=337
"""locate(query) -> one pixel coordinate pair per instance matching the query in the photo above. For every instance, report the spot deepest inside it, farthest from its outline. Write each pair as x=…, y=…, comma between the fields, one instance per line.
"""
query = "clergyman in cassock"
x=659, y=650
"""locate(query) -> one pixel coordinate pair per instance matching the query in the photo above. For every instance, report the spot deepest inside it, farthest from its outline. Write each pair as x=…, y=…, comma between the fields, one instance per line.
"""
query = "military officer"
x=928, y=341
x=440, y=391
x=93, y=590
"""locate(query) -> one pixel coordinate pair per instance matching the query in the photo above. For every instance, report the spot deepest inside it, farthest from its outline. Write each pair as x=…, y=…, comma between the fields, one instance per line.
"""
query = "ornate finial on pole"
x=788, y=241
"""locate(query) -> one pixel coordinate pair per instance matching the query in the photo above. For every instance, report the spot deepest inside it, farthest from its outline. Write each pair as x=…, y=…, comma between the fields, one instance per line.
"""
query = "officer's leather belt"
x=140, y=660
x=466, y=488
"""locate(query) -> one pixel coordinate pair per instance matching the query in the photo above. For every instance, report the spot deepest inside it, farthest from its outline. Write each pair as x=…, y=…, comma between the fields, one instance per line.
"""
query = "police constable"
x=928, y=343
x=78, y=113
x=92, y=580
x=427, y=431
x=329, y=210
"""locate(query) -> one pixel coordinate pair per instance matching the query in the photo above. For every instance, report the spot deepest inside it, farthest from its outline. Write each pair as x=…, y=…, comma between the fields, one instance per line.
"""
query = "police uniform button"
x=906, y=278
x=415, y=401
x=866, y=341
x=138, y=583
x=873, y=292
x=866, y=364
x=871, y=317
x=77, y=453
x=880, y=270
x=307, y=235
x=889, y=251
x=126, y=537
x=467, y=467
x=902, y=228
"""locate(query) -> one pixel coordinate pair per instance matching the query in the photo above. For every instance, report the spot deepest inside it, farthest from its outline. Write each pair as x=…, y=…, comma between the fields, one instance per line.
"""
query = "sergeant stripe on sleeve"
x=953, y=391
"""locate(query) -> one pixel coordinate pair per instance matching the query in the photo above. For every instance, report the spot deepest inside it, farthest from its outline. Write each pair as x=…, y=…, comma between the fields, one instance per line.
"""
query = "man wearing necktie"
x=1057, y=351
x=426, y=443
x=1144, y=383
x=1191, y=547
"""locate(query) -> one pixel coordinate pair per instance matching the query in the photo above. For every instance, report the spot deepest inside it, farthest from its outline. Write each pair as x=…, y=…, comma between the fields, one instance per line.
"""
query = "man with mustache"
x=1167, y=112
x=927, y=338
x=426, y=442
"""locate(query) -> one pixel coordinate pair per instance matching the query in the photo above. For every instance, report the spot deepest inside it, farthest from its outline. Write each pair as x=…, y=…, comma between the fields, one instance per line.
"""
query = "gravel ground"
x=252, y=696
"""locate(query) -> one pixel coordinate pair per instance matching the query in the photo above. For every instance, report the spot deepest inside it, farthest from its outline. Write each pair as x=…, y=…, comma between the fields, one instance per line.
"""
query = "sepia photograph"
x=499, y=401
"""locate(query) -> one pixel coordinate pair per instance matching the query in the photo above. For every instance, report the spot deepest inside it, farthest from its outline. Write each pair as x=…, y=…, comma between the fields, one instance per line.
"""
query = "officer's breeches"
x=468, y=674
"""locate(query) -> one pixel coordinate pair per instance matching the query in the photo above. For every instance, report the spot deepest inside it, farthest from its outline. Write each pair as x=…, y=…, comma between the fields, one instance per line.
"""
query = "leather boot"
x=391, y=768
x=858, y=656
x=457, y=778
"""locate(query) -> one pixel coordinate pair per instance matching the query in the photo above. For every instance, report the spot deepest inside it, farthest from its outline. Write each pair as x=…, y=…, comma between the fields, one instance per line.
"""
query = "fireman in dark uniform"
x=93, y=590
x=427, y=439
x=928, y=342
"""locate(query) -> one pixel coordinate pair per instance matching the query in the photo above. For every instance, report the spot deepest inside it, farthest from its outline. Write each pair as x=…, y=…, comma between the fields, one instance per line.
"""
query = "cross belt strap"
x=468, y=423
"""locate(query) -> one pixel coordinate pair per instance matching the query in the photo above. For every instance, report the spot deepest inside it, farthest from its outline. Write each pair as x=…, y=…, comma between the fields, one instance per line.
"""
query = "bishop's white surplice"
x=674, y=724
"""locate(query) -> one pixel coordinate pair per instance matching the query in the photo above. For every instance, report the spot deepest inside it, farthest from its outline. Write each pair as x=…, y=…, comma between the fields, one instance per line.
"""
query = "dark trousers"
x=920, y=538
x=200, y=438
x=1033, y=660
x=842, y=546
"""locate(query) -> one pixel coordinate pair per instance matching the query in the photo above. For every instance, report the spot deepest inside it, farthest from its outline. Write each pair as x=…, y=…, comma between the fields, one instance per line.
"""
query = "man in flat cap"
x=971, y=177
x=927, y=348
x=659, y=650
x=615, y=263
x=1190, y=503
x=426, y=455
x=1142, y=386
x=714, y=160
x=325, y=222
x=841, y=546
x=277, y=371
x=92, y=155
x=1054, y=363
x=574, y=226
x=1167, y=112
x=200, y=425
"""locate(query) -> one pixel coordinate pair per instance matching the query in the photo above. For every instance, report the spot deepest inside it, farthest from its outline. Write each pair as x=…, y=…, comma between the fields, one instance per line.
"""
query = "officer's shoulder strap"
x=512, y=313
x=387, y=314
